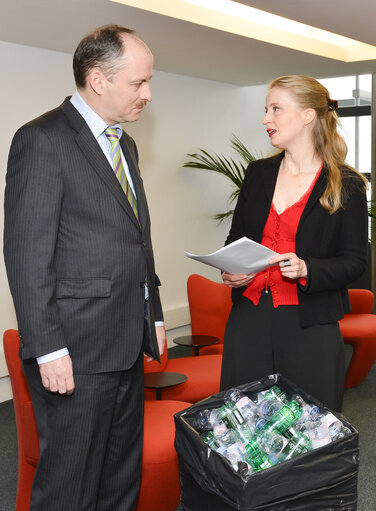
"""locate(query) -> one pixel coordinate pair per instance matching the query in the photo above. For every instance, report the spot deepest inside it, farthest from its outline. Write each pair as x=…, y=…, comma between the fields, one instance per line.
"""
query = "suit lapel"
x=94, y=154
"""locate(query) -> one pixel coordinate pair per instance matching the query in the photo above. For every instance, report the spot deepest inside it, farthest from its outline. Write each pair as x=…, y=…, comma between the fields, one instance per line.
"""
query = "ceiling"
x=189, y=49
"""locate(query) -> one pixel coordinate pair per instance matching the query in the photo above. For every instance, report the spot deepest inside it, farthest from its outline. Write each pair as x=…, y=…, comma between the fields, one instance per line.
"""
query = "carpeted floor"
x=359, y=408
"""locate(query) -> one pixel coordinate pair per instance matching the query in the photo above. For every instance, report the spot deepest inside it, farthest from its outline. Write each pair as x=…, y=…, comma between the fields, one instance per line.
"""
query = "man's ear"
x=97, y=81
x=309, y=115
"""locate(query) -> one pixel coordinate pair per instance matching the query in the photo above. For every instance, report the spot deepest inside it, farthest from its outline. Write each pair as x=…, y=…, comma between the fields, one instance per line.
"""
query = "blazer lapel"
x=315, y=195
x=94, y=154
x=270, y=175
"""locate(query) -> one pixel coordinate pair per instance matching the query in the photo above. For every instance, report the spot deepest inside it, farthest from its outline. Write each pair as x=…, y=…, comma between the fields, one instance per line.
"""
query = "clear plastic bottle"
x=231, y=416
x=202, y=420
x=258, y=460
x=310, y=411
x=243, y=403
x=268, y=407
x=318, y=432
x=293, y=434
x=284, y=418
x=276, y=393
x=338, y=430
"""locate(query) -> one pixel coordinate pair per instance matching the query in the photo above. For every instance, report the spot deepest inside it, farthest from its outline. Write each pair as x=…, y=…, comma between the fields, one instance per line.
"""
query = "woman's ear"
x=309, y=115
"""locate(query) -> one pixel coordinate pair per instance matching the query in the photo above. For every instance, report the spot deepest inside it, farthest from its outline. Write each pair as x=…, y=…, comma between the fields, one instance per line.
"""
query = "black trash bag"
x=324, y=479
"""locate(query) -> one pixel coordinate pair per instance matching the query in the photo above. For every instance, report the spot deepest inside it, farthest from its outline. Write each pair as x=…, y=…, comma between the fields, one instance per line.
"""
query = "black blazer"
x=75, y=254
x=334, y=247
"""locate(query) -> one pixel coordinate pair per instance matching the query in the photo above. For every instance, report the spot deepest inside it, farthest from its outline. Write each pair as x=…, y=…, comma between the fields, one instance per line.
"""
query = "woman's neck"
x=301, y=160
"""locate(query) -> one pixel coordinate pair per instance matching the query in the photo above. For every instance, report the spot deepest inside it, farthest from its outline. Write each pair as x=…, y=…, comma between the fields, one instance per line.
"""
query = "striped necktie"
x=111, y=134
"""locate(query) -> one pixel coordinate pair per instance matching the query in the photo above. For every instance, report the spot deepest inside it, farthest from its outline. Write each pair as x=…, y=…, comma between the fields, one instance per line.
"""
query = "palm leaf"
x=228, y=167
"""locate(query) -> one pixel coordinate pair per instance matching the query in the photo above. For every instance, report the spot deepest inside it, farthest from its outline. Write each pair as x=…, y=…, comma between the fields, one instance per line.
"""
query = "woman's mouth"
x=271, y=132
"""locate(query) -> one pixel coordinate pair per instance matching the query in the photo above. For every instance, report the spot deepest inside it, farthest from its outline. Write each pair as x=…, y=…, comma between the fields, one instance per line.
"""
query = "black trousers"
x=90, y=442
x=262, y=340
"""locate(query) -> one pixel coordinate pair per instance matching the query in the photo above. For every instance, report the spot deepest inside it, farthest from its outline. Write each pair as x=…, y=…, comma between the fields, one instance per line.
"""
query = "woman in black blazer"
x=308, y=205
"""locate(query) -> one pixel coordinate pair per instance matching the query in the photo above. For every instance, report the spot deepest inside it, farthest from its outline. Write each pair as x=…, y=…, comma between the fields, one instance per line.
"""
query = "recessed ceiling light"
x=246, y=21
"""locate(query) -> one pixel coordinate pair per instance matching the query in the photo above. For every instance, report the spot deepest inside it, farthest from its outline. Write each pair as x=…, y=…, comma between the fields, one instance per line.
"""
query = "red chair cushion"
x=203, y=377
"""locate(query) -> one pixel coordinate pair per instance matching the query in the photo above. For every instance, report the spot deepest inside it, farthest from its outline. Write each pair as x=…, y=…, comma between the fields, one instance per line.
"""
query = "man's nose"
x=146, y=92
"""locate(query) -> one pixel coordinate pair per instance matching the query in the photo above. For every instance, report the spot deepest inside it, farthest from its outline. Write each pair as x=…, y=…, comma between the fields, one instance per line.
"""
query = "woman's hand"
x=291, y=266
x=237, y=280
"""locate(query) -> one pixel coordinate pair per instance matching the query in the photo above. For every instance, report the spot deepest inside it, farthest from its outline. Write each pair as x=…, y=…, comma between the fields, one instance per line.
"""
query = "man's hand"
x=161, y=340
x=57, y=375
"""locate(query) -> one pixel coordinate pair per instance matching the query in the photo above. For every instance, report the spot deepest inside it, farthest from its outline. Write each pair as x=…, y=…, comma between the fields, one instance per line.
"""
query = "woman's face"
x=285, y=121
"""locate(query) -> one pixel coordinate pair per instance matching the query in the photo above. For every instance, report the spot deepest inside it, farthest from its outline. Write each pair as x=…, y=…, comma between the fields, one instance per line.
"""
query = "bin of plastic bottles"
x=323, y=479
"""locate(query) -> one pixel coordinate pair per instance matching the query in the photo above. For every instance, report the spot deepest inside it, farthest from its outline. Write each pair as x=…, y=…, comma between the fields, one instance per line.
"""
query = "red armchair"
x=203, y=376
x=27, y=436
x=209, y=307
x=160, y=487
x=358, y=328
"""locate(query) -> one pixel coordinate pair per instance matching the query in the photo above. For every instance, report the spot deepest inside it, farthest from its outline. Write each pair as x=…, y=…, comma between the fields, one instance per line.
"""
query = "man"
x=80, y=266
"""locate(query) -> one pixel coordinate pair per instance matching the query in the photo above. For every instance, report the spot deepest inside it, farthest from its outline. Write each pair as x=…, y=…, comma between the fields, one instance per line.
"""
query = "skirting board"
x=5, y=389
x=176, y=317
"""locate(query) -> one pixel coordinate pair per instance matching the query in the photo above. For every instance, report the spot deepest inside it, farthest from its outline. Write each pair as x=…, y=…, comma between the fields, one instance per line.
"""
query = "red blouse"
x=279, y=235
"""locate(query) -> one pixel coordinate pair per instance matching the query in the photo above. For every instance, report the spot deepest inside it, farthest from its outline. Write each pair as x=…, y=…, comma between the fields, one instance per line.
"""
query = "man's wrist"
x=54, y=355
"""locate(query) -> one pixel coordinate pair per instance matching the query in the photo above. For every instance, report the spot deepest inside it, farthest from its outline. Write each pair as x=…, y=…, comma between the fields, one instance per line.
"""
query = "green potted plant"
x=228, y=167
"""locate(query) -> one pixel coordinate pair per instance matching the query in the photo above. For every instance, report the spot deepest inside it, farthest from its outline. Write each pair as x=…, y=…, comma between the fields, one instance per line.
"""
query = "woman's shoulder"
x=351, y=178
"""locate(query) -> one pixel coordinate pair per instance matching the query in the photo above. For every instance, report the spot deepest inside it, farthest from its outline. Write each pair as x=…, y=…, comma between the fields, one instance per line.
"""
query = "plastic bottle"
x=231, y=416
x=309, y=411
x=276, y=393
x=202, y=420
x=258, y=460
x=210, y=439
x=243, y=403
x=338, y=430
x=268, y=407
x=318, y=432
x=284, y=418
x=296, y=436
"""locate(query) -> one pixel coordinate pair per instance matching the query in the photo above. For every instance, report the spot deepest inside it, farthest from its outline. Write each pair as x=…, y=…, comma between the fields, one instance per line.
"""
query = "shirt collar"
x=93, y=120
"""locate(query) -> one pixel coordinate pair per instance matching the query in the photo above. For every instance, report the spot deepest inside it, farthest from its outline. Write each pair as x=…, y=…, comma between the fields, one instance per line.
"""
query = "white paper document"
x=243, y=256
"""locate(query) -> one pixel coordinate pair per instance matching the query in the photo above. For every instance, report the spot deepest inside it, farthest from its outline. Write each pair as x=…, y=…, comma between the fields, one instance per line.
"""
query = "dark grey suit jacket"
x=76, y=257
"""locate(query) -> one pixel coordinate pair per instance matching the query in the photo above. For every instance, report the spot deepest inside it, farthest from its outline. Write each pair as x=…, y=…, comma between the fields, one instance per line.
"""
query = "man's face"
x=128, y=91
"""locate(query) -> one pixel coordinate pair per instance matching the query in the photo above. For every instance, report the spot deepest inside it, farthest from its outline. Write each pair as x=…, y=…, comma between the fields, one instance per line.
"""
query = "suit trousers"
x=90, y=442
x=262, y=340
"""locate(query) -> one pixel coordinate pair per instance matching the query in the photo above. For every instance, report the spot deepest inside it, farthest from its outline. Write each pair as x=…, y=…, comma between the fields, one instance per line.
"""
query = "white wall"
x=186, y=114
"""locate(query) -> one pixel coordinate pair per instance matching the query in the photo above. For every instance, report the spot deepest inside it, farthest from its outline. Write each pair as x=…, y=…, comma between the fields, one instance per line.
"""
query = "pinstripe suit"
x=76, y=260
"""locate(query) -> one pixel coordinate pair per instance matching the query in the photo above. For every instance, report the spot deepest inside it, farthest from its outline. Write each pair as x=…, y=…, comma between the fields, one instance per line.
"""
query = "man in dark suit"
x=80, y=266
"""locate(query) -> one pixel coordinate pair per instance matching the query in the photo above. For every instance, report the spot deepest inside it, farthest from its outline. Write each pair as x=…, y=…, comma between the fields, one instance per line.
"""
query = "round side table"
x=196, y=342
x=162, y=380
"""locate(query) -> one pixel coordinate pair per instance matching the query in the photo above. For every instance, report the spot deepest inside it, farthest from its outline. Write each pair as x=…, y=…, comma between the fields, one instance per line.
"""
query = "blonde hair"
x=328, y=143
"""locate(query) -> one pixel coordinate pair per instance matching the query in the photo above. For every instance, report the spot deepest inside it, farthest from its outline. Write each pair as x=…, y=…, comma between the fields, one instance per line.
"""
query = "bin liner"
x=324, y=479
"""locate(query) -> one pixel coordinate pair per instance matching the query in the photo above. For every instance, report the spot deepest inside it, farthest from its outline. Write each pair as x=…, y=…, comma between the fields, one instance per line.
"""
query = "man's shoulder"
x=48, y=119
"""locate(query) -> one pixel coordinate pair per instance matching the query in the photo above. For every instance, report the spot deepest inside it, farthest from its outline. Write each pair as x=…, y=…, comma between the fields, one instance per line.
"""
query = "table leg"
x=158, y=394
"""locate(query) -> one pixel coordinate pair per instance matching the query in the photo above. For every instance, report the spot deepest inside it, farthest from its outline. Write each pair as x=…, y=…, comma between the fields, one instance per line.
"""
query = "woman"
x=310, y=207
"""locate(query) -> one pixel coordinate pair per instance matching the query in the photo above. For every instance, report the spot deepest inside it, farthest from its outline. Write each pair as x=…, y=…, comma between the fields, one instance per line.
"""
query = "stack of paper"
x=243, y=256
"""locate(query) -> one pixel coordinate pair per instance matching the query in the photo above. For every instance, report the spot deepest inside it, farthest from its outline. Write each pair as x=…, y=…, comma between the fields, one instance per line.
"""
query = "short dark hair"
x=102, y=48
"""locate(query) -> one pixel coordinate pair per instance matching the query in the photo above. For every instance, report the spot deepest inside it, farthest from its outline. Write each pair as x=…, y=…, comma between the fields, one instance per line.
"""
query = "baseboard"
x=5, y=389
x=176, y=317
